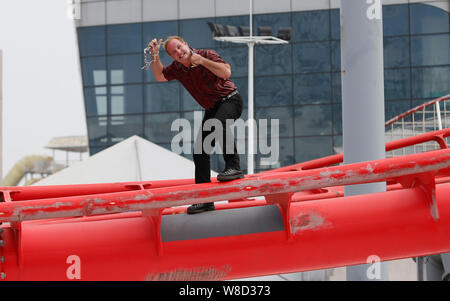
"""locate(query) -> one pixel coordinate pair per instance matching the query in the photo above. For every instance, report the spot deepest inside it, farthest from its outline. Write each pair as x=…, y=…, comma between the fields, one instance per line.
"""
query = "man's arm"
x=157, y=68
x=221, y=70
x=157, y=65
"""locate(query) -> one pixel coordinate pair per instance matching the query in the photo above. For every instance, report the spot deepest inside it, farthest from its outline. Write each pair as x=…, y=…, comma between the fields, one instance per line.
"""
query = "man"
x=206, y=77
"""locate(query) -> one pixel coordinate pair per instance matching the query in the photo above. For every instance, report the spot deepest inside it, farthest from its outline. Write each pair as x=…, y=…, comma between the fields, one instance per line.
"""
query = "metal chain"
x=154, y=56
x=146, y=61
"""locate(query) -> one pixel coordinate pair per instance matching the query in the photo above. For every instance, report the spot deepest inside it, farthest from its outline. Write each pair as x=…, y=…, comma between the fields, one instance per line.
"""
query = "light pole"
x=251, y=40
x=363, y=103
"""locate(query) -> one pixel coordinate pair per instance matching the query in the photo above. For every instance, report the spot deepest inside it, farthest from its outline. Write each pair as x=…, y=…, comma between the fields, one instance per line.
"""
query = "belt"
x=229, y=96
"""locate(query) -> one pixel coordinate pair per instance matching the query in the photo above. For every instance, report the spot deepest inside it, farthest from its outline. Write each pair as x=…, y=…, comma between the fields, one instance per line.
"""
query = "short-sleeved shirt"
x=206, y=87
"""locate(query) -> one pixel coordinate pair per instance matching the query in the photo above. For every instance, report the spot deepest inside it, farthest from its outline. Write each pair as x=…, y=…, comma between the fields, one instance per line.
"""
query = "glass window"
x=311, y=25
x=96, y=101
x=125, y=69
x=282, y=114
x=273, y=20
x=237, y=57
x=312, y=57
x=158, y=30
x=395, y=20
x=312, y=88
x=335, y=56
x=196, y=33
x=312, y=120
x=94, y=71
x=428, y=18
x=275, y=157
x=337, y=119
x=309, y=148
x=91, y=40
x=335, y=17
x=126, y=99
x=338, y=145
x=273, y=59
x=122, y=127
x=397, y=84
x=396, y=52
x=124, y=38
x=273, y=91
x=395, y=107
x=158, y=127
x=162, y=97
x=234, y=20
x=430, y=82
x=95, y=149
x=97, y=131
x=336, y=86
x=430, y=50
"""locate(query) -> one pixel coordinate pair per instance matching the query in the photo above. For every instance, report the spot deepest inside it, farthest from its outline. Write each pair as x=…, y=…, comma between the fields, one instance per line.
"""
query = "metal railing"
x=430, y=116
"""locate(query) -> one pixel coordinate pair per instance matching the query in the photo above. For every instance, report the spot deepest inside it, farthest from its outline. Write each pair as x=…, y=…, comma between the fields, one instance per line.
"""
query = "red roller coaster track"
x=134, y=231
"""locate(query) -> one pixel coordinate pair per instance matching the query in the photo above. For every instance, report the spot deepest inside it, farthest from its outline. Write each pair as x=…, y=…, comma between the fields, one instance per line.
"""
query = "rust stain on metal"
x=194, y=274
x=307, y=221
x=142, y=197
x=370, y=168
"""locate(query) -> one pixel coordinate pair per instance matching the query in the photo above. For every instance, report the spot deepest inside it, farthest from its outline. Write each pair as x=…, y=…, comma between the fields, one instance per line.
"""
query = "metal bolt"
x=2, y=275
x=2, y=259
x=1, y=230
x=2, y=243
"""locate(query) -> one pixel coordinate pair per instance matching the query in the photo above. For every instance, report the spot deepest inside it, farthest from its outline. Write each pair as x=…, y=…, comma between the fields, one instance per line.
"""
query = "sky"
x=42, y=90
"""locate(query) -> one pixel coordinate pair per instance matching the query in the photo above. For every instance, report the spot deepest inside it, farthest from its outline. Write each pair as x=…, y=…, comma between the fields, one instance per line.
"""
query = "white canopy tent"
x=134, y=159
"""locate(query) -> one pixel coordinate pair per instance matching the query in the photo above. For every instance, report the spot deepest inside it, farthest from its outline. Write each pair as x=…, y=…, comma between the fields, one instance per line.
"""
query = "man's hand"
x=219, y=69
x=157, y=66
x=154, y=46
x=197, y=59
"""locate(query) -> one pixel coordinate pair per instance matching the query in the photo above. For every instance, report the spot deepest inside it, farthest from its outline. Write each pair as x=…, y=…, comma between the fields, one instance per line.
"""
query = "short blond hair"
x=166, y=42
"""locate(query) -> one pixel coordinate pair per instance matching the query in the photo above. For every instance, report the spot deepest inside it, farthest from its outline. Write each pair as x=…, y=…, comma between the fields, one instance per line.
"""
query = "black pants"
x=230, y=109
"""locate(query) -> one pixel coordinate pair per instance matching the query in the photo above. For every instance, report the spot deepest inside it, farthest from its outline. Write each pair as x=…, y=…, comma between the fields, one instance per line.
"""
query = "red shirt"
x=206, y=87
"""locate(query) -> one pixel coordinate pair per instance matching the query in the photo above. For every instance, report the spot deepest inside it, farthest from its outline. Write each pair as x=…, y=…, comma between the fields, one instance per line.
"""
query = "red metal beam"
x=325, y=234
x=21, y=193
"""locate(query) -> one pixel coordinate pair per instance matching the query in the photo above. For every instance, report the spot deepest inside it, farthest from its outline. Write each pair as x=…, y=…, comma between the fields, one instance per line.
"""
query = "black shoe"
x=197, y=208
x=230, y=174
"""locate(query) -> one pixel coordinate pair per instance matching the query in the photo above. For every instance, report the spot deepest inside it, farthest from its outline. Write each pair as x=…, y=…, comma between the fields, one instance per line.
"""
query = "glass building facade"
x=298, y=83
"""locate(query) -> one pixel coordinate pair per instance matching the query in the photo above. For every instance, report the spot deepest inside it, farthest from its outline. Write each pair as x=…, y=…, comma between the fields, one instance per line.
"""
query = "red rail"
x=437, y=136
x=257, y=185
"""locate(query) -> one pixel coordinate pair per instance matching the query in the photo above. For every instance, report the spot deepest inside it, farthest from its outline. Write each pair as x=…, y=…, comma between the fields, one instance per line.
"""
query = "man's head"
x=178, y=49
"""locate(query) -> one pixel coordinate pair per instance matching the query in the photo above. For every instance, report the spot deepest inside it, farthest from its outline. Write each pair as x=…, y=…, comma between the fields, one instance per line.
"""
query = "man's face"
x=179, y=51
